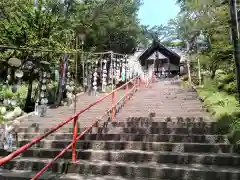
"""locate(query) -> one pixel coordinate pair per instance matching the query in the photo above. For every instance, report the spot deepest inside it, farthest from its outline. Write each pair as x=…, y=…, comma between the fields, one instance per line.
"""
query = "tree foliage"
x=208, y=18
x=53, y=24
x=56, y=24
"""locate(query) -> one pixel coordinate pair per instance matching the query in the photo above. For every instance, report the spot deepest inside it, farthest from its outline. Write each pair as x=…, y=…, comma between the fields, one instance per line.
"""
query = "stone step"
x=43, y=129
x=135, y=130
x=136, y=145
x=51, y=125
x=134, y=137
x=26, y=175
x=35, y=127
x=173, y=119
x=156, y=130
x=129, y=170
x=149, y=123
x=137, y=156
x=144, y=122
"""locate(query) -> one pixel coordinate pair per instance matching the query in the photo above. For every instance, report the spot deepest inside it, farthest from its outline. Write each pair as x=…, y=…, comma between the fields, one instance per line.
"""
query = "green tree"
x=210, y=19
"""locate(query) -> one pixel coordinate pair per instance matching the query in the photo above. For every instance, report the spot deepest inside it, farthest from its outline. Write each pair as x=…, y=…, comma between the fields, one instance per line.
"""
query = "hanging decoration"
x=118, y=71
x=111, y=71
x=121, y=68
x=89, y=78
x=95, y=76
x=104, y=75
x=64, y=69
x=42, y=98
x=115, y=68
x=13, y=81
x=69, y=88
x=123, y=73
x=85, y=79
x=127, y=70
x=61, y=81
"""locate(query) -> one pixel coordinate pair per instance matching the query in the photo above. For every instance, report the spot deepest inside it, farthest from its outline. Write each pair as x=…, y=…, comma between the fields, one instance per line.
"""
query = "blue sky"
x=156, y=12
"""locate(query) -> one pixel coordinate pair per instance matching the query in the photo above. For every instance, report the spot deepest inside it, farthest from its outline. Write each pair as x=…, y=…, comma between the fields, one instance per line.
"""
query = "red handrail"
x=136, y=83
x=39, y=138
x=77, y=138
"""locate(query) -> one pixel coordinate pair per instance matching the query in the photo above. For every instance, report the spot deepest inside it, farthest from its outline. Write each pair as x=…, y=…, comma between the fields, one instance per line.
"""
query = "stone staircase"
x=38, y=125
x=144, y=149
x=140, y=147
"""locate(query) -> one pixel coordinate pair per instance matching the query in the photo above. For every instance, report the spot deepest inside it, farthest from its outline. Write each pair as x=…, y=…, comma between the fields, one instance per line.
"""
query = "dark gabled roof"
x=156, y=46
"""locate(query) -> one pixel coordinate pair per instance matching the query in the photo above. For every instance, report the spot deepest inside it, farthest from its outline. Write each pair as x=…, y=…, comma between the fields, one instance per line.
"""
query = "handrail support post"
x=75, y=132
x=126, y=94
x=113, y=105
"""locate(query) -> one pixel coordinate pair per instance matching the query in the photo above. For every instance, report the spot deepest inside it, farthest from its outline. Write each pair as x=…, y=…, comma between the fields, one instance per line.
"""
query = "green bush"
x=184, y=77
x=19, y=96
x=230, y=88
x=223, y=107
x=225, y=81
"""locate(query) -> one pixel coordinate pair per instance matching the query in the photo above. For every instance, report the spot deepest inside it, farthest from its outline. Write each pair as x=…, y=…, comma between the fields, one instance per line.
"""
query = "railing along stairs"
x=136, y=83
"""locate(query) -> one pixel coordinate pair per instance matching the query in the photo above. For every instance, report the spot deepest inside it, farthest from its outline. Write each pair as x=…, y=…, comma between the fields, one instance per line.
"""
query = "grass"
x=223, y=107
x=218, y=103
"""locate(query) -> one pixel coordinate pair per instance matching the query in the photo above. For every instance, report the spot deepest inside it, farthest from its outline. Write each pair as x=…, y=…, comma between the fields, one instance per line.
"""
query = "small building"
x=160, y=58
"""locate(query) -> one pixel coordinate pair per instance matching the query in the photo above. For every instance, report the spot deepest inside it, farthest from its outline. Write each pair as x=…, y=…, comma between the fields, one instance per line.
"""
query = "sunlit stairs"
x=138, y=148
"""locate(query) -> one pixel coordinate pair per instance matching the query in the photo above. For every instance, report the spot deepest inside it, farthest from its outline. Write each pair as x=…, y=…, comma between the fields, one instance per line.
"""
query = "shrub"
x=230, y=88
x=184, y=77
x=224, y=108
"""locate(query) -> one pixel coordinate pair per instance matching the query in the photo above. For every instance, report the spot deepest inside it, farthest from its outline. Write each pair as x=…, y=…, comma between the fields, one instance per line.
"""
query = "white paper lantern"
x=9, y=116
x=44, y=74
x=17, y=111
x=3, y=110
x=68, y=87
x=45, y=100
x=42, y=94
x=71, y=83
x=13, y=102
x=42, y=101
x=15, y=62
x=44, y=87
x=19, y=73
x=8, y=101
x=71, y=88
x=104, y=83
x=5, y=102
x=105, y=71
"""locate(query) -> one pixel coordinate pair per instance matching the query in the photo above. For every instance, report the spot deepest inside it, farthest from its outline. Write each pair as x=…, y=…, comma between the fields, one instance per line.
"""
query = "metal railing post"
x=75, y=132
x=126, y=94
x=113, y=105
x=138, y=81
x=135, y=85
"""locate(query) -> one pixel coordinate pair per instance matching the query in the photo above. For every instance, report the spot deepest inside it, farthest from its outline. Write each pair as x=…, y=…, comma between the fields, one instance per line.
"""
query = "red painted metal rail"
x=136, y=84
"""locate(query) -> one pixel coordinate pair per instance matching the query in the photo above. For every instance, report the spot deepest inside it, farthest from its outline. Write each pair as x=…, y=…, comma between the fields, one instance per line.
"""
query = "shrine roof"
x=158, y=47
